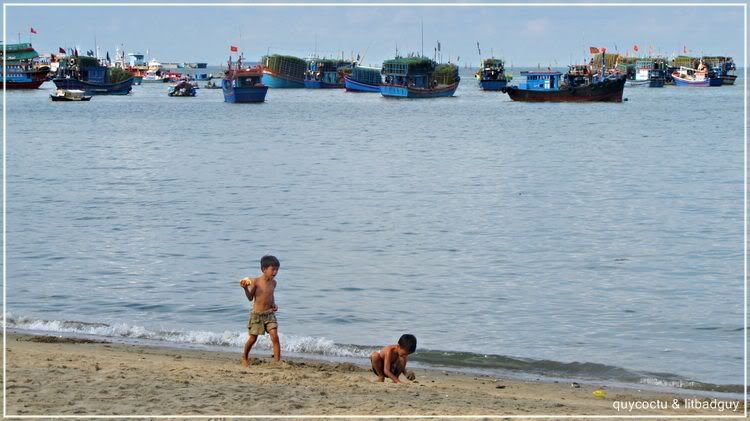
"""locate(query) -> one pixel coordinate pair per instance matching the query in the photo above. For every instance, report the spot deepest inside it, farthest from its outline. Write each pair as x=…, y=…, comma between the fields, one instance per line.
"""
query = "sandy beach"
x=56, y=376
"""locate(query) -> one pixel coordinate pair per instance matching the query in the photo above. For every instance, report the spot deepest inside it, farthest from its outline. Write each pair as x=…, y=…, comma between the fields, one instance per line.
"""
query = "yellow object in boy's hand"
x=245, y=282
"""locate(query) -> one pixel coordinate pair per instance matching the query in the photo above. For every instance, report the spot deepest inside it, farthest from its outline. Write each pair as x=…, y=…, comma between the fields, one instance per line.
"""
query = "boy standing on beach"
x=262, y=317
x=391, y=360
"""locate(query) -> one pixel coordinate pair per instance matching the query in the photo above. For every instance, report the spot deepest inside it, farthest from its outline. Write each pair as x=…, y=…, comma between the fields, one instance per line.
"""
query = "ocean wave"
x=230, y=339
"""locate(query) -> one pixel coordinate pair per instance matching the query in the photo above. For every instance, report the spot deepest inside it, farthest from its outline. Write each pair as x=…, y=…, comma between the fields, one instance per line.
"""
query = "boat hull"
x=120, y=88
x=245, y=95
x=716, y=81
x=492, y=85
x=656, y=83
x=635, y=83
x=678, y=81
x=607, y=91
x=394, y=91
x=728, y=79
x=280, y=82
x=352, y=85
x=32, y=84
x=316, y=84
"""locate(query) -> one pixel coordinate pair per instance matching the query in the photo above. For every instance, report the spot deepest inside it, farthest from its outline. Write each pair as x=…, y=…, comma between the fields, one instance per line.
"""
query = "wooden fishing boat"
x=579, y=84
x=89, y=75
x=492, y=75
x=20, y=68
x=326, y=73
x=686, y=76
x=243, y=85
x=418, y=77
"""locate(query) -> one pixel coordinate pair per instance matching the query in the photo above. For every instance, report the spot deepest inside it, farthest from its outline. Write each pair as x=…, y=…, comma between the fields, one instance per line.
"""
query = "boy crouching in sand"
x=262, y=317
x=391, y=360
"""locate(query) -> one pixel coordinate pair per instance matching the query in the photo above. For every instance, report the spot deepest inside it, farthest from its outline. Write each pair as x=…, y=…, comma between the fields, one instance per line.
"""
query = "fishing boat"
x=724, y=68
x=243, y=85
x=326, y=73
x=579, y=84
x=657, y=78
x=90, y=75
x=21, y=70
x=492, y=75
x=640, y=75
x=69, y=95
x=418, y=77
x=183, y=88
x=283, y=71
x=196, y=65
x=686, y=76
x=154, y=73
x=363, y=79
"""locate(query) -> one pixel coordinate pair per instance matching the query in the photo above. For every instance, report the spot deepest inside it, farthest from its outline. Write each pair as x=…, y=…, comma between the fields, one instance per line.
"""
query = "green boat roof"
x=410, y=61
x=16, y=47
x=282, y=57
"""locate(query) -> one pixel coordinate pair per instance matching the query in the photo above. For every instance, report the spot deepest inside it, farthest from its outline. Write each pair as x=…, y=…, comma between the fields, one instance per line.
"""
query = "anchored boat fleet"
x=79, y=76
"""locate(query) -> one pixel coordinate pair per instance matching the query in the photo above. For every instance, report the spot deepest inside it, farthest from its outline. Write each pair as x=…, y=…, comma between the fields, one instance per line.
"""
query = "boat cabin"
x=325, y=70
x=541, y=81
x=247, y=80
x=409, y=71
x=493, y=69
x=136, y=59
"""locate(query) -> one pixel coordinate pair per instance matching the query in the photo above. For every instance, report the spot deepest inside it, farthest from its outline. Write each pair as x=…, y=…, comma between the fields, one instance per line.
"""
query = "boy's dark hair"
x=408, y=342
x=269, y=260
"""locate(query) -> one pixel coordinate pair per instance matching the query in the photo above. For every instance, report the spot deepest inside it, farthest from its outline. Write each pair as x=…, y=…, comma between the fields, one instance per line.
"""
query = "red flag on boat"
x=61, y=50
x=604, y=50
x=593, y=50
x=233, y=49
x=33, y=31
x=635, y=47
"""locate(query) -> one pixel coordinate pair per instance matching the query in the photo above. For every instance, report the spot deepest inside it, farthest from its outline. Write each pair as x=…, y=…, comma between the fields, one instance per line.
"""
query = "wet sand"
x=59, y=376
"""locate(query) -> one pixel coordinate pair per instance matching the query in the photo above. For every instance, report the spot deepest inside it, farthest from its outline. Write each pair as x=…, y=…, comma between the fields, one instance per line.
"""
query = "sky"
x=522, y=35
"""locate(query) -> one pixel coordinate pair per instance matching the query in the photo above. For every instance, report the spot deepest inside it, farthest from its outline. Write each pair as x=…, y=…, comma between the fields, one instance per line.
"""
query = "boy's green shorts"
x=260, y=323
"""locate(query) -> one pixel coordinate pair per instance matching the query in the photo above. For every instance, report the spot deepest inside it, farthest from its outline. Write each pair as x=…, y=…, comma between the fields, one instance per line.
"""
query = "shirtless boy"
x=262, y=317
x=391, y=360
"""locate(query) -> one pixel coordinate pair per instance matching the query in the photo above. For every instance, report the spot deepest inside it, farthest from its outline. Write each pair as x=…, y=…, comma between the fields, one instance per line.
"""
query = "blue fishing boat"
x=363, y=79
x=723, y=67
x=20, y=68
x=492, y=75
x=243, y=85
x=89, y=75
x=326, y=73
x=580, y=84
x=285, y=72
x=686, y=76
x=418, y=77
x=657, y=78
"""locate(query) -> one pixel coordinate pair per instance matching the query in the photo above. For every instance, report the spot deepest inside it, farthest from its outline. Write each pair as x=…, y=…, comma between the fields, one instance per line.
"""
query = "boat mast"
x=422, y=20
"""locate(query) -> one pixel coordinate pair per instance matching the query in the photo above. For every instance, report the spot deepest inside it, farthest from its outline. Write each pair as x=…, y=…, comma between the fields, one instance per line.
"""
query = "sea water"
x=600, y=241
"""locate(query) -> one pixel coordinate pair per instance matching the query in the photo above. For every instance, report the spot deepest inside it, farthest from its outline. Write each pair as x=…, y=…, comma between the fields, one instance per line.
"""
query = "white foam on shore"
x=229, y=339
